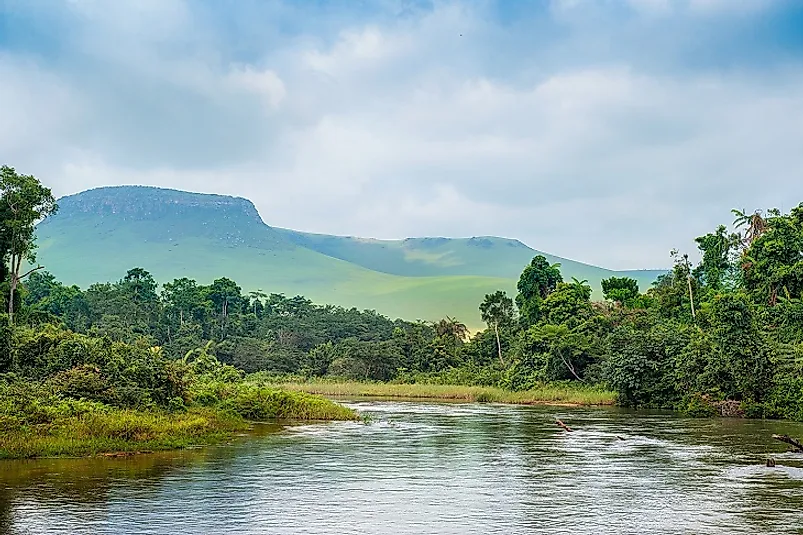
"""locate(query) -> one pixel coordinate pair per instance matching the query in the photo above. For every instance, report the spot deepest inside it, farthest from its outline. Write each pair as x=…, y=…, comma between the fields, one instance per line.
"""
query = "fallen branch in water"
x=564, y=426
x=791, y=441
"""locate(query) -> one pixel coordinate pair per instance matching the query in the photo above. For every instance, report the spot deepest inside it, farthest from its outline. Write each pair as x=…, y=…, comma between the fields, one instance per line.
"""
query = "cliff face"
x=141, y=203
x=160, y=215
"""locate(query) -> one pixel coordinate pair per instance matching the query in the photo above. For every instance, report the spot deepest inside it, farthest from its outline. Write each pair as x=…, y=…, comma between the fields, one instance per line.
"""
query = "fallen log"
x=564, y=426
x=791, y=441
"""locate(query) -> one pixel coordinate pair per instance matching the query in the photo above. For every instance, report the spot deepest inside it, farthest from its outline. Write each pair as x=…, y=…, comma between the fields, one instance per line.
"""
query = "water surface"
x=432, y=468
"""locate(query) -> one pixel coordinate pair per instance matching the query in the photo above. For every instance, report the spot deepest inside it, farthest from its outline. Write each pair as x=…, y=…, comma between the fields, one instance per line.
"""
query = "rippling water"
x=432, y=468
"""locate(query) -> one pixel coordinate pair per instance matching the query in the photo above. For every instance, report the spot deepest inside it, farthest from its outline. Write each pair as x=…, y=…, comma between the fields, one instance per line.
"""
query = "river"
x=434, y=468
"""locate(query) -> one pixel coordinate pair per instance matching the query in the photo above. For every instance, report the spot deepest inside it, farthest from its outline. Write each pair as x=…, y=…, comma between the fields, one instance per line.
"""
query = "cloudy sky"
x=604, y=131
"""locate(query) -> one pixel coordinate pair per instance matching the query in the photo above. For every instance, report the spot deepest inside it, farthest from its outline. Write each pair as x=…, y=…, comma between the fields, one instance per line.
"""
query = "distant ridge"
x=100, y=233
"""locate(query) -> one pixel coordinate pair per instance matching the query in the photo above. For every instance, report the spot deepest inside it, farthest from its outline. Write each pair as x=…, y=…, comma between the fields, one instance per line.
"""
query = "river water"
x=432, y=468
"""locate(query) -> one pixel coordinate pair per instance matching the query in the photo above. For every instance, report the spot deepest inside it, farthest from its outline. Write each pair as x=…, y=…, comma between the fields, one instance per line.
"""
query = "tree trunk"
x=498, y=343
x=11, y=291
x=688, y=280
x=569, y=366
x=16, y=265
x=16, y=262
x=791, y=441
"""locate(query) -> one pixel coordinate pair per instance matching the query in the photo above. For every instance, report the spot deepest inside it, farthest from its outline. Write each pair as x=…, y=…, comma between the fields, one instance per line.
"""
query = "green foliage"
x=723, y=336
x=551, y=353
x=641, y=364
x=205, y=237
x=568, y=305
x=497, y=309
x=24, y=201
x=622, y=290
x=537, y=281
x=698, y=406
x=717, y=268
x=773, y=264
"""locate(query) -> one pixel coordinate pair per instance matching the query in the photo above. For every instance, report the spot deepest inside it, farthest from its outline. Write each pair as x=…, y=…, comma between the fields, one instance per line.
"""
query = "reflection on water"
x=432, y=468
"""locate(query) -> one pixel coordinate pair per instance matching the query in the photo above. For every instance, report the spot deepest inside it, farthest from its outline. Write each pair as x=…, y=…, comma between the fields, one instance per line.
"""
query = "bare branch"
x=37, y=268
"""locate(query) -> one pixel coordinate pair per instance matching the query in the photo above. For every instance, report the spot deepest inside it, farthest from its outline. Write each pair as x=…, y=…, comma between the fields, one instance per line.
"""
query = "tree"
x=537, y=281
x=754, y=224
x=569, y=304
x=553, y=353
x=256, y=301
x=228, y=299
x=772, y=266
x=497, y=310
x=226, y=295
x=682, y=266
x=451, y=328
x=182, y=296
x=140, y=286
x=716, y=267
x=25, y=201
x=622, y=290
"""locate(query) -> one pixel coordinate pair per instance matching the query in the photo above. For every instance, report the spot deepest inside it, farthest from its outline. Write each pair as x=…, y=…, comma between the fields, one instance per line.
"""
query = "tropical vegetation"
x=722, y=336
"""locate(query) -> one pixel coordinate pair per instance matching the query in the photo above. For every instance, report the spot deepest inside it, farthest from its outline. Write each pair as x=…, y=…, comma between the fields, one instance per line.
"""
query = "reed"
x=546, y=394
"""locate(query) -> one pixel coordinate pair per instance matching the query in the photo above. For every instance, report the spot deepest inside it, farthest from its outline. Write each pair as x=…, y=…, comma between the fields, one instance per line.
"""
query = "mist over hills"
x=101, y=233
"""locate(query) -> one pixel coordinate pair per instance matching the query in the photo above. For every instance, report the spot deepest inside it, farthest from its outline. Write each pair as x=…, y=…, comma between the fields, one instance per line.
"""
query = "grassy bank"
x=547, y=394
x=35, y=422
x=118, y=431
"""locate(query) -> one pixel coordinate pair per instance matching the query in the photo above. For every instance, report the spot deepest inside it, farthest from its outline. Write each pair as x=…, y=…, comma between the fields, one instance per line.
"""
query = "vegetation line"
x=132, y=364
x=548, y=394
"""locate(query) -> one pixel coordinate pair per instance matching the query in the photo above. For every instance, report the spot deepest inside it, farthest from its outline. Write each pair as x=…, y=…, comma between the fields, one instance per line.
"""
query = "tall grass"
x=117, y=431
x=546, y=394
x=35, y=422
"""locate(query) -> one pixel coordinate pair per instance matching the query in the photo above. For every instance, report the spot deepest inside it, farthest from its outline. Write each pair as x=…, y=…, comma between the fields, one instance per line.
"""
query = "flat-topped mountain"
x=99, y=234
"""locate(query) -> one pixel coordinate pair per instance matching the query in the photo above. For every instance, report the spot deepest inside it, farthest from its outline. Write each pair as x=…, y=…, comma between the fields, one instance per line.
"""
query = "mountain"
x=99, y=234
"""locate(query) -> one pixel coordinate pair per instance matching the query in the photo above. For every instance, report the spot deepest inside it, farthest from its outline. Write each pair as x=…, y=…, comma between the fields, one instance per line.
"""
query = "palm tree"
x=755, y=225
x=579, y=283
x=582, y=287
x=451, y=328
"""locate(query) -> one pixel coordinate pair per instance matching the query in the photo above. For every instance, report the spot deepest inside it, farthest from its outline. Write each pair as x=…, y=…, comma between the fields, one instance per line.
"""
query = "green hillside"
x=99, y=234
x=487, y=256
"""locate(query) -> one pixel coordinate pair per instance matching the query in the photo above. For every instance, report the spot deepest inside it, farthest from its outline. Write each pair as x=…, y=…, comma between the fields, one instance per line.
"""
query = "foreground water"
x=432, y=468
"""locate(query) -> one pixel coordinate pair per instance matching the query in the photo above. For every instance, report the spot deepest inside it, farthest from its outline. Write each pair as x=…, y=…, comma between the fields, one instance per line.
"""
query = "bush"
x=84, y=381
x=698, y=406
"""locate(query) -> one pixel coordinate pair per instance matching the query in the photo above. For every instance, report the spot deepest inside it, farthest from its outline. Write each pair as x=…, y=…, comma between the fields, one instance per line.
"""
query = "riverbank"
x=36, y=423
x=545, y=395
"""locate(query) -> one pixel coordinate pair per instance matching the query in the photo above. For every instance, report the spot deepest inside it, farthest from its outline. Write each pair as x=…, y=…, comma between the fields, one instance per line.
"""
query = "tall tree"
x=451, y=328
x=772, y=266
x=25, y=202
x=754, y=224
x=717, y=267
x=228, y=299
x=182, y=298
x=537, y=281
x=256, y=301
x=497, y=311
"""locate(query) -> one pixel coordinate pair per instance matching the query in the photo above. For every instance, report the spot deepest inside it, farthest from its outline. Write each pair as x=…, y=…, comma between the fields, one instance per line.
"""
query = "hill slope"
x=99, y=234
x=487, y=256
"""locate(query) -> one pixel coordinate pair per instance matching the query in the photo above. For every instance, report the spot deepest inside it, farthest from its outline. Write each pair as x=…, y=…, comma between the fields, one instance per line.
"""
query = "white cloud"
x=408, y=128
x=266, y=84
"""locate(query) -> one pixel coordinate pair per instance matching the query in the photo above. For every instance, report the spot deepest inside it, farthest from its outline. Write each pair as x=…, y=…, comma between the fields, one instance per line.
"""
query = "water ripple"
x=432, y=468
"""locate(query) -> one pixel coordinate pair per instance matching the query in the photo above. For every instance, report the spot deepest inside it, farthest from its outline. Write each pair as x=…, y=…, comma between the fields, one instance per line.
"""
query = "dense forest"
x=722, y=336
